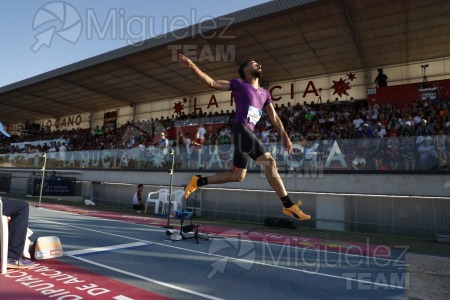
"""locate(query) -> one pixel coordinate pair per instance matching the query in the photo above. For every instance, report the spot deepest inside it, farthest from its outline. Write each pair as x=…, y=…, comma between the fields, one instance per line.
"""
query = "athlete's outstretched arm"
x=185, y=62
x=276, y=122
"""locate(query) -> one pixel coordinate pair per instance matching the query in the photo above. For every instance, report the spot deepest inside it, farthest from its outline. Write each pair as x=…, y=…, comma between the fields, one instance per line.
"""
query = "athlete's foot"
x=191, y=187
x=295, y=212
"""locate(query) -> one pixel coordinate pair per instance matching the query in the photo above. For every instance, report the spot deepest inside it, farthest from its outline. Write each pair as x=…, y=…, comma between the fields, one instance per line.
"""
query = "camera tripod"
x=178, y=236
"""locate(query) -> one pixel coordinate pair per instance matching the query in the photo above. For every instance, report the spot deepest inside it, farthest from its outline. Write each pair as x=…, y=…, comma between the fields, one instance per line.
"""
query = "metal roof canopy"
x=292, y=39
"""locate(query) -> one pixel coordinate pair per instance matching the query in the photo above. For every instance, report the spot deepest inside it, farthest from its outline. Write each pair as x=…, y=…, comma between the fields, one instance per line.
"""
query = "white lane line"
x=104, y=249
x=236, y=259
x=148, y=279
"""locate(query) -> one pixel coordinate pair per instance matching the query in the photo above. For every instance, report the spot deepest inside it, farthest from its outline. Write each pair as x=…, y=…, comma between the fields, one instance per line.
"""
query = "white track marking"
x=104, y=249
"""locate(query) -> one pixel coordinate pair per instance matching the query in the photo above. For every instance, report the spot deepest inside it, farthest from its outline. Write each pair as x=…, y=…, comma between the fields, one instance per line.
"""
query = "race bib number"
x=253, y=115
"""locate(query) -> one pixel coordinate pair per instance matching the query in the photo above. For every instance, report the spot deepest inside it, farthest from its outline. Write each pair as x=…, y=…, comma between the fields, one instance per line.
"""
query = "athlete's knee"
x=267, y=160
x=238, y=177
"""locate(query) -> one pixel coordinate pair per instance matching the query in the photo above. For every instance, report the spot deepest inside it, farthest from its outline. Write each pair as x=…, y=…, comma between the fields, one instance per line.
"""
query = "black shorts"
x=246, y=146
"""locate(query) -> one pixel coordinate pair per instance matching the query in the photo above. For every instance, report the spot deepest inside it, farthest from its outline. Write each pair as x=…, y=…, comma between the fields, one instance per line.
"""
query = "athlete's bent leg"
x=235, y=175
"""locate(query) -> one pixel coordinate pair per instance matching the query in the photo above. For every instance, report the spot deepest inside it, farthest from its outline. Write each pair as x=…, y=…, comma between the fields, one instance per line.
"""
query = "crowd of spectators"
x=383, y=136
x=375, y=136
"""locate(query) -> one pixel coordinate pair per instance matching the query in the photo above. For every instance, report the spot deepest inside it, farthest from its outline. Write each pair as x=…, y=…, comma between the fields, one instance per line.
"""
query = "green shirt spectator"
x=408, y=129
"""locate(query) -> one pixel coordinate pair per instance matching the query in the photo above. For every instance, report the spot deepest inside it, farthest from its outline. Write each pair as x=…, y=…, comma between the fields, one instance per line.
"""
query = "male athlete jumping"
x=250, y=100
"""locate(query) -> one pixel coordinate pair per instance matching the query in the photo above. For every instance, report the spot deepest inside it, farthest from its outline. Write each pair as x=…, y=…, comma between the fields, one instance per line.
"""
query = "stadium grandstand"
x=362, y=146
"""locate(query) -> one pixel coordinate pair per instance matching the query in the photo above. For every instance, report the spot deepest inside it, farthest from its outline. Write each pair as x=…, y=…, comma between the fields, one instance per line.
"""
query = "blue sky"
x=39, y=36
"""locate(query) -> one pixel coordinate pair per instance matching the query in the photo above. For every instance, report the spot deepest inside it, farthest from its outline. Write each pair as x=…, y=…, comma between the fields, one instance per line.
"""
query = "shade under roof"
x=292, y=39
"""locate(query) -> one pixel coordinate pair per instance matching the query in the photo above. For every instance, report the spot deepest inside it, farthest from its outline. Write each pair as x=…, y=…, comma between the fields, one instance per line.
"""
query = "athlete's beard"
x=257, y=73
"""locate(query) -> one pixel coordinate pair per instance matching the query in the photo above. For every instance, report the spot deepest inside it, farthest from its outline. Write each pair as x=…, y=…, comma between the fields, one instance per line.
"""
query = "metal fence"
x=411, y=154
x=391, y=215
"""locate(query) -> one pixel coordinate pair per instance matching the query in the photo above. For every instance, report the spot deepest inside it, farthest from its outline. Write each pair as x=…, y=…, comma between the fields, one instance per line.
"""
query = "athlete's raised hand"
x=184, y=61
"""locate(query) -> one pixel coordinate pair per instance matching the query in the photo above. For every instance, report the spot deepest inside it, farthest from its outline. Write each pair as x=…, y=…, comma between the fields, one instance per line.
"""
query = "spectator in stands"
x=309, y=155
x=428, y=157
x=393, y=154
x=309, y=116
x=62, y=154
x=381, y=131
x=447, y=148
x=201, y=131
x=223, y=142
x=359, y=161
x=373, y=114
x=393, y=126
x=358, y=122
x=442, y=111
x=322, y=117
x=326, y=143
x=188, y=143
x=163, y=142
x=406, y=110
x=18, y=211
x=408, y=154
x=99, y=132
x=180, y=148
x=163, y=147
x=382, y=119
x=342, y=120
x=437, y=129
x=365, y=131
x=381, y=79
x=447, y=122
x=375, y=151
x=424, y=136
x=209, y=146
x=408, y=129
x=138, y=202
x=295, y=136
x=418, y=113
x=407, y=117
x=216, y=135
x=424, y=127
x=142, y=156
x=439, y=141
x=265, y=136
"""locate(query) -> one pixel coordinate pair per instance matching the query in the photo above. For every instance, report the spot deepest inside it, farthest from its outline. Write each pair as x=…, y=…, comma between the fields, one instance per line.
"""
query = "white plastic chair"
x=4, y=237
x=156, y=197
x=176, y=200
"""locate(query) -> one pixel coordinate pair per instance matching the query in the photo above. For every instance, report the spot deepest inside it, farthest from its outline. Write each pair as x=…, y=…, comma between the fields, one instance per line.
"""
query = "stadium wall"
x=412, y=205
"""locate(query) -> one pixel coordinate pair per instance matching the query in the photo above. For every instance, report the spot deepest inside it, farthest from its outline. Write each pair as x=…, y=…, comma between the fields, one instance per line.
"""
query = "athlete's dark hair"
x=140, y=185
x=242, y=67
